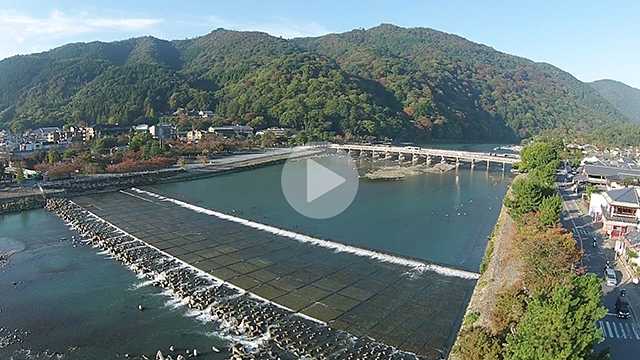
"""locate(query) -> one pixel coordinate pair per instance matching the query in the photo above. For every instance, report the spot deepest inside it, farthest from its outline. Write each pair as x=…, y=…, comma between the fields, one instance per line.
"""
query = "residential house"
x=161, y=131
x=195, y=135
x=42, y=134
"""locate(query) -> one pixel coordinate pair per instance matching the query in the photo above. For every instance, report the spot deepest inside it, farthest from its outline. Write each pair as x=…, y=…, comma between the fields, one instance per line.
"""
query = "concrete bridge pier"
x=429, y=160
x=443, y=160
x=457, y=162
x=415, y=158
x=388, y=156
x=504, y=167
x=473, y=163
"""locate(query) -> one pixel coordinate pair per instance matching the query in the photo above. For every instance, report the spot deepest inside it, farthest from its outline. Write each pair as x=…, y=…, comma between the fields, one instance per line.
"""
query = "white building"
x=619, y=210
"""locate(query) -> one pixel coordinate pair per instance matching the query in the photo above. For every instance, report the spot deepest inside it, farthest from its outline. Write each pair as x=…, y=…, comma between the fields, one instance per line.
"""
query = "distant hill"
x=624, y=97
x=386, y=81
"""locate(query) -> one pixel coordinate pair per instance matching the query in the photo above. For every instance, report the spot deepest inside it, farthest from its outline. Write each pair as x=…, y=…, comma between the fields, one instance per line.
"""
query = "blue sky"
x=590, y=39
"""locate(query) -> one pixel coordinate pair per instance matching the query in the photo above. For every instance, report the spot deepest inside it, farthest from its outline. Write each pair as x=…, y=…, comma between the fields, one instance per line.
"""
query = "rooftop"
x=627, y=197
x=633, y=238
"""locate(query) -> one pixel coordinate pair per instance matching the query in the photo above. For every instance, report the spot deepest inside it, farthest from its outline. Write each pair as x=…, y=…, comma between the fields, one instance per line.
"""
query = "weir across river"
x=409, y=304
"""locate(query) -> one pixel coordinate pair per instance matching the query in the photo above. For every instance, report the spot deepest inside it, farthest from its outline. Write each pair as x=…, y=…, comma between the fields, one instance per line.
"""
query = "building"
x=232, y=130
x=161, y=131
x=617, y=209
x=632, y=241
x=195, y=135
x=36, y=146
x=142, y=128
x=206, y=113
x=278, y=132
x=42, y=134
x=600, y=174
x=100, y=130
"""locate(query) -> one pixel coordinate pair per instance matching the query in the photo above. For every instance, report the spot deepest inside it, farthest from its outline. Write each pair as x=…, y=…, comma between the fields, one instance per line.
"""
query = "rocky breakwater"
x=257, y=328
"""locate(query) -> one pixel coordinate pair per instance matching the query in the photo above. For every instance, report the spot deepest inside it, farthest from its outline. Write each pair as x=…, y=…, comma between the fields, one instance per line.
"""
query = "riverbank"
x=499, y=270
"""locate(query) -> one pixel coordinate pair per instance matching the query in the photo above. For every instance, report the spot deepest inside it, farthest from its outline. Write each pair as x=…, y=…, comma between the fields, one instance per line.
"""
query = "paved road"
x=621, y=335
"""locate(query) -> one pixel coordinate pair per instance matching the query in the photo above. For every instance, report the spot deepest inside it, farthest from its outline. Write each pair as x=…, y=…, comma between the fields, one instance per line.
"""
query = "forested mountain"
x=624, y=97
x=386, y=81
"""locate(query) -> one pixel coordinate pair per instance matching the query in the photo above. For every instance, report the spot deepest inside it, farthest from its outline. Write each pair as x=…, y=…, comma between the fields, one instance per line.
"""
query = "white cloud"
x=123, y=24
x=278, y=27
x=16, y=25
x=23, y=33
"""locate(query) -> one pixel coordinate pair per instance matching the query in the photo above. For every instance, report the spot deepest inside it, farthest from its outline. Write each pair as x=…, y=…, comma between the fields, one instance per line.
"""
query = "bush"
x=477, y=343
x=509, y=307
x=471, y=318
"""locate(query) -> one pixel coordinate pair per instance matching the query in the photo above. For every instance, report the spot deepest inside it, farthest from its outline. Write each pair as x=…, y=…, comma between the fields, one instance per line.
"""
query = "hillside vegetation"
x=624, y=97
x=384, y=82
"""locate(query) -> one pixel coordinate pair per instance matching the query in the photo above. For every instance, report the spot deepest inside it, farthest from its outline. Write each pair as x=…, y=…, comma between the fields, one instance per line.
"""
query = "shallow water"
x=80, y=305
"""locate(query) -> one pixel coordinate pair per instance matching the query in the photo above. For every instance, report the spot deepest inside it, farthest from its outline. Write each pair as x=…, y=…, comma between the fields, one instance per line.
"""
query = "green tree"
x=268, y=138
x=560, y=325
x=69, y=153
x=590, y=190
x=140, y=140
x=53, y=156
x=103, y=145
x=537, y=155
x=550, y=210
x=525, y=196
x=19, y=173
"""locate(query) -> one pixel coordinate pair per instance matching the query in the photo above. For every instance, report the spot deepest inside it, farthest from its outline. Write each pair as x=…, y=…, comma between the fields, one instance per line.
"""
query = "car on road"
x=622, y=307
x=610, y=277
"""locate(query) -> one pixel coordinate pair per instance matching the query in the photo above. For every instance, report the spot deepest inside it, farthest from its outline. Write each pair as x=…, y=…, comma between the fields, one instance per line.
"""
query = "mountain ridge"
x=385, y=82
x=624, y=97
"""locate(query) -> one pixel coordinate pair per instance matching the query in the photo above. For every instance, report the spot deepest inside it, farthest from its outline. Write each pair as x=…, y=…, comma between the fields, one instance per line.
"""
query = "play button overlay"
x=317, y=183
x=320, y=180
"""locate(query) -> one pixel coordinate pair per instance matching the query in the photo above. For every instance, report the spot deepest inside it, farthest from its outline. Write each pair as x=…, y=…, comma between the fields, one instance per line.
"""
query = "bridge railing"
x=470, y=155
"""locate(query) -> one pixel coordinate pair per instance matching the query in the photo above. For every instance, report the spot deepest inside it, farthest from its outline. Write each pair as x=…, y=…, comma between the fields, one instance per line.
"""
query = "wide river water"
x=73, y=303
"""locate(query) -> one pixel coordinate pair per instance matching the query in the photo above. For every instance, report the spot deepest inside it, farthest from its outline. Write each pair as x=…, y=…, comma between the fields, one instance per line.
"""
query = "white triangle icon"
x=320, y=180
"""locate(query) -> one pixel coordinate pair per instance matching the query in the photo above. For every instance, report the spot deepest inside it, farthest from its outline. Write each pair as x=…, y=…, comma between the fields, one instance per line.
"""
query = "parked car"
x=610, y=277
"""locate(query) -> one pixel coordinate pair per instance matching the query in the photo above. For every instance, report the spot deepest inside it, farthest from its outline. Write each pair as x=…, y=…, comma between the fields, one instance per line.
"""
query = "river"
x=74, y=303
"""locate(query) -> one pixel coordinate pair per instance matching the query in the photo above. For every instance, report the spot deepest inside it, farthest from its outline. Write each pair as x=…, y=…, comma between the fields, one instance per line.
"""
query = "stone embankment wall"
x=99, y=183
x=27, y=202
x=498, y=271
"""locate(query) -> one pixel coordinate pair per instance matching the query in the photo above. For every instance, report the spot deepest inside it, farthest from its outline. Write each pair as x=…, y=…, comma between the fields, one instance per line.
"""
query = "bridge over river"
x=418, y=154
x=406, y=303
